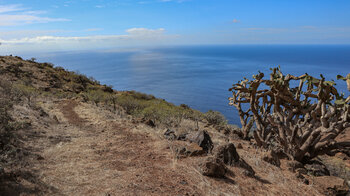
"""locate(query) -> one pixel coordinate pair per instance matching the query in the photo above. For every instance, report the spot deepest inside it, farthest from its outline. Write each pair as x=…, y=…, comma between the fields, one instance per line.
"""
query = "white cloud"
x=133, y=33
x=13, y=15
x=133, y=36
x=20, y=19
x=145, y=32
x=28, y=33
x=10, y=8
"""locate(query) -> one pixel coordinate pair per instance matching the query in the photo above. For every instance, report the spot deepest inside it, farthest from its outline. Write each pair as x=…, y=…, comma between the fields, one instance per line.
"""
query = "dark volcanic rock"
x=227, y=153
x=202, y=138
x=213, y=167
x=317, y=168
x=186, y=150
x=150, y=123
x=229, y=156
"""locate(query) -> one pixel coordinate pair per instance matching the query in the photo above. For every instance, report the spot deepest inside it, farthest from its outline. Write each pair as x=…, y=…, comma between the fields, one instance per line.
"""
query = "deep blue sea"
x=200, y=76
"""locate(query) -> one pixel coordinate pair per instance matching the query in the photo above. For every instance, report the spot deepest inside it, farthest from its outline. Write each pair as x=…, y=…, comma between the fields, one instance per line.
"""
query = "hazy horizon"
x=71, y=25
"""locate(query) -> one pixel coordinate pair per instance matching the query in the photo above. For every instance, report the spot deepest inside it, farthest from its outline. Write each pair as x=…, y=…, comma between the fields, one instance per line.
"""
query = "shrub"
x=141, y=96
x=130, y=104
x=164, y=113
x=96, y=96
x=26, y=91
x=215, y=118
x=303, y=120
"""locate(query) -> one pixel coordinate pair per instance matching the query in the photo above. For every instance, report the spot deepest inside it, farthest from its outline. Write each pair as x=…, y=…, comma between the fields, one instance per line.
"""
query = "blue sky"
x=84, y=24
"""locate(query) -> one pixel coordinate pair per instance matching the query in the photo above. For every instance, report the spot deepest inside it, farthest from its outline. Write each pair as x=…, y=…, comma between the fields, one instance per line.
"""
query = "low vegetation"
x=61, y=83
x=42, y=114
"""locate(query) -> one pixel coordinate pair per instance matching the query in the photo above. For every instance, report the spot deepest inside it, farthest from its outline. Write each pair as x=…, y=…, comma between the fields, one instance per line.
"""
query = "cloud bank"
x=132, y=37
x=14, y=15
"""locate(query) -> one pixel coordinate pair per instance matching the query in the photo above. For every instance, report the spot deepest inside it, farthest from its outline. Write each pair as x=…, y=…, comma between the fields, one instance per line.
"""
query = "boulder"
x=229, y=156
x=149, y=122
x=249, y=171
x=317, y=168
x=332, y=185
x=185, y=150
x=212, y=167
x=202, y=138
x=272, y=158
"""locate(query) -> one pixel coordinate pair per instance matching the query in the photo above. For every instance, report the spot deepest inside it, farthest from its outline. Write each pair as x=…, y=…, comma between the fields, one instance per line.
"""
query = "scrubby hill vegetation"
x=63, y=133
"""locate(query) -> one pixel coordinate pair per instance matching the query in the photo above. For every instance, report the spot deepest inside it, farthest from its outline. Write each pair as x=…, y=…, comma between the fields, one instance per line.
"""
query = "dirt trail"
x=83, y=149
x=107, y=156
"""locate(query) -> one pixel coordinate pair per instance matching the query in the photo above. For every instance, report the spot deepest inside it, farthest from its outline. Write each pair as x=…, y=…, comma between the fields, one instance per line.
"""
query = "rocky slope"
x=62, y=139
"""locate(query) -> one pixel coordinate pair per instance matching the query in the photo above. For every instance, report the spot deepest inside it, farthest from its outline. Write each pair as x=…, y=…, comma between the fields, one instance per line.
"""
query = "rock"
x=332, y=185
x=229, y=156
x=169, y=134
x=187, y=150
x=317, y=168
x=248, y=169
x=213, y=167
x=201, y=138
x=272, y=158
x=150, y=123
x=293, y=165
x=239, y=146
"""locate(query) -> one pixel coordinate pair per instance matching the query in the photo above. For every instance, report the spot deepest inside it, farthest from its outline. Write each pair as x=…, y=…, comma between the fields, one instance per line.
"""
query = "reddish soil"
x=92, y=151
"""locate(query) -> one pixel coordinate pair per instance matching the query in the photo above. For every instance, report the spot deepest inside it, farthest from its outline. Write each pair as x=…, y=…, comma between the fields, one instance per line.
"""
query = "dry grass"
x=84, y=149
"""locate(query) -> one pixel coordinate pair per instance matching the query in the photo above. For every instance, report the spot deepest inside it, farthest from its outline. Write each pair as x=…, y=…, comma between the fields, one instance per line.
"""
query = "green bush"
x=130, y=104
x=141, y=96
x=161, y=112
x=164, y=113
x=26, y=91
x=215, y=118
x=96, y=96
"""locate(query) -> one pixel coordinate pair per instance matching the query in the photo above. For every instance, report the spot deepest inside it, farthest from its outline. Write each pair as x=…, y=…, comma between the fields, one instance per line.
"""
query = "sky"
x=54, y=25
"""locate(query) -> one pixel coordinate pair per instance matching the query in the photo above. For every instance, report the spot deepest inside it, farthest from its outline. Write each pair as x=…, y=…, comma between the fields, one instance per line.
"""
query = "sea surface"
x=200, y=76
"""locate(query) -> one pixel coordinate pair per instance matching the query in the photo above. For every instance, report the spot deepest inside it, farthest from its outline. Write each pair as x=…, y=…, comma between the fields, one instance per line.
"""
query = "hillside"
x=63, y=133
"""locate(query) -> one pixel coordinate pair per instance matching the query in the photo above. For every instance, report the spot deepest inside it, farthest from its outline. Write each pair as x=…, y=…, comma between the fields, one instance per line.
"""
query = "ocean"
x=200, y=76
